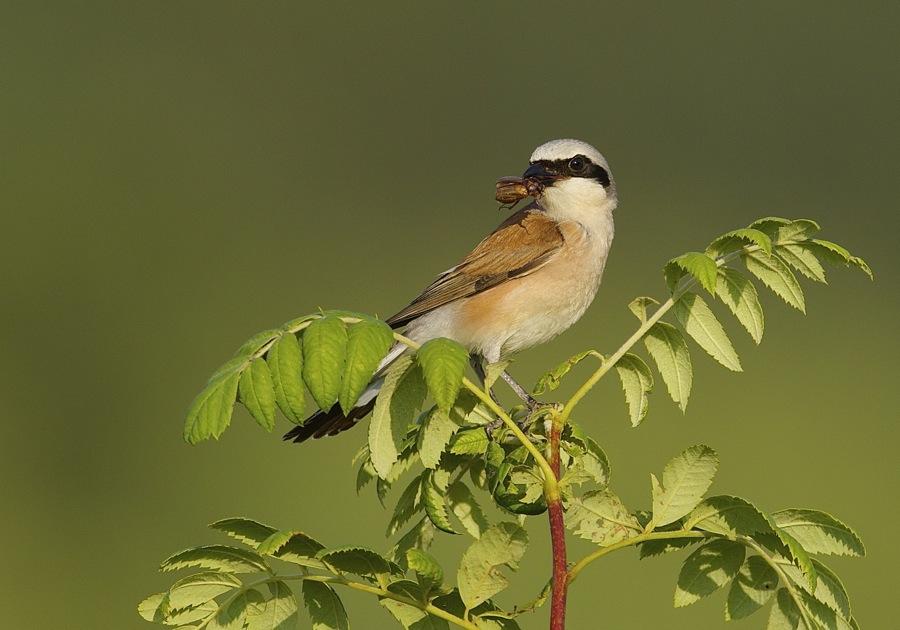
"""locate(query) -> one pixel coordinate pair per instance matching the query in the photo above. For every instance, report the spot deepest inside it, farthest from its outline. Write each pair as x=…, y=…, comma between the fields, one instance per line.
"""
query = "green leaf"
x=728, y=516
x=670, y=353
x=658, y=547
x=425, y=565
x=823, y=616
x=246, y=530
x=280, y=611
x=803, y=260
x=409, y=503
x=396, y=408
x=550, y=380
x=367, y=343
x=752, y=588
x=443, y=363
x=257, y=392
x=784, y=614
x=770, y=225
x=792, y=548
x=819, y=532
x=210, y=412
x=685, y=480
x=357, y=560
x=639, y=306
x=601, y=517
x=589, y=461
x=701, y=266
x=252, y=347
x=465, y=507
x=733, y=241
x=199, y=588
x=439, y=427
x=419, y=536
x=326, y=611
x=479, y=577
x=708, y=569
x=285, y=359
x=775, y=274
x=739, y=295
x=698, y=320
x=837, y=255
x=829, y=590
x=797, y=230
x=637, y=383
x=218, y=558
x=469, y=442
x=293, y=546
x=151, y=608
x=434, y=488
x=324, y=358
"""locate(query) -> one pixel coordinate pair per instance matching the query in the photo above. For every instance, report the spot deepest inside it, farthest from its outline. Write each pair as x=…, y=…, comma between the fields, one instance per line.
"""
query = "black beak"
x=537, y=171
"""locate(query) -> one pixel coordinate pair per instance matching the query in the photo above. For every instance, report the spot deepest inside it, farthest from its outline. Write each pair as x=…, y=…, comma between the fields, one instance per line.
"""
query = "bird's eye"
x=576, y=164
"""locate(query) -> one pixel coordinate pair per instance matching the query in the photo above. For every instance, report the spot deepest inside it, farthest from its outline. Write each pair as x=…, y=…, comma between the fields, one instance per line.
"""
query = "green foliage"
x=457, y=450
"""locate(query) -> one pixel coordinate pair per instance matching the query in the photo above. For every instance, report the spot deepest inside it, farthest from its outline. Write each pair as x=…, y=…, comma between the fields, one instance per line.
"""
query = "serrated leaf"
x=256, y=343
x=425, y=565
x=479, y=577
x=150, y=609
x=784, y=614
x=285, y=359
x=367, y=343
x=419, y=536
x=728, y=516
x=795, y=551
x=409, y=503
x=708, y=569
x=698, y=320
x=700, y=266
x=324, y=357
x=469, y=442
x=639, y=306
x=357, y=560
x=218, y=558
x=836, y=255
x=739, y=295
x=751, y=589
x=440, y=426
x=637, y=383
x=210, y=412
x=257, y=393
x=769, y=225
x=433, y=497
x=733, y=241
x=819, y=532
x=465, y=508
x=280, y=611
x=829, y=590
x=803, y=260
x=796, y=230
x=396, y=408
x=775, y=274
x=658, y=547
x=300, y=549
x=589, y=461
x=685, y=480
x=601, y=517
x=443, y=364
x=550, y=380
x=673, y=360
x=823, y=616
x=246, y=530
x=199, y=588
x=326, y=611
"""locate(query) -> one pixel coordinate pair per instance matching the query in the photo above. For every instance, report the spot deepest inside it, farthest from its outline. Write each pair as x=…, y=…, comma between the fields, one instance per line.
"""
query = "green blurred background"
x=178, y=176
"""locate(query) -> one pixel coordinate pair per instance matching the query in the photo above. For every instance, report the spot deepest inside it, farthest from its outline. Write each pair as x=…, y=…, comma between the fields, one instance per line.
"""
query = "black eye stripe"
x=590, y=170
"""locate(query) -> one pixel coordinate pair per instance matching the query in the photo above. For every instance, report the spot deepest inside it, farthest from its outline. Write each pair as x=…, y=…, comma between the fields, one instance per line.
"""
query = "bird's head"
x=575, y=179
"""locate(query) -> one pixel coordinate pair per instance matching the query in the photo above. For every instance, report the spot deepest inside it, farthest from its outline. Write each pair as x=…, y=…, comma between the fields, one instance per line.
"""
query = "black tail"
x=329, y=422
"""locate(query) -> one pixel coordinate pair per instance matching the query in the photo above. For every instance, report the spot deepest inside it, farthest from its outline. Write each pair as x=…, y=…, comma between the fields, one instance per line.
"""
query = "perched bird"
x=527, y=282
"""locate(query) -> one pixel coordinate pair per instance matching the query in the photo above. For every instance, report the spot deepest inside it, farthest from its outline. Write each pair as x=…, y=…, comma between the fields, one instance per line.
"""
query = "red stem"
x=558, y=540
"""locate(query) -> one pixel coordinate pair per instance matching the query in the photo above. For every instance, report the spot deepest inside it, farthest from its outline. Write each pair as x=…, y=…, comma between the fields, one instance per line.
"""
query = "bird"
x=524, y=284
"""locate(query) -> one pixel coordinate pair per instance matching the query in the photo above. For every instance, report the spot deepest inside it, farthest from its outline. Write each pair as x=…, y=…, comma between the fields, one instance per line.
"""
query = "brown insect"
x=511, y=190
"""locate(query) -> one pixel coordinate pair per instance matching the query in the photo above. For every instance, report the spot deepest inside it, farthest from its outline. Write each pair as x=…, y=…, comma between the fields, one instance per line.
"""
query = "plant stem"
x=557, y=538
